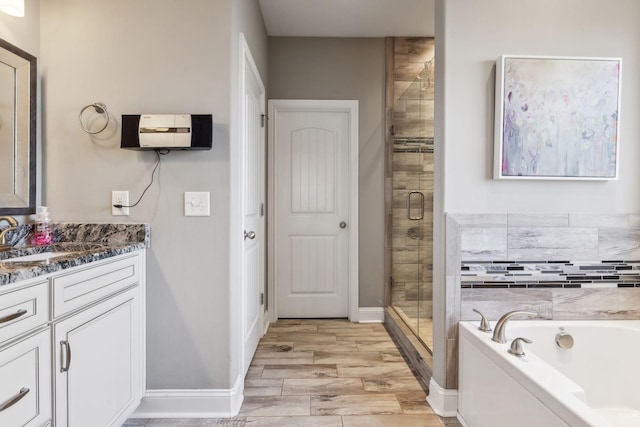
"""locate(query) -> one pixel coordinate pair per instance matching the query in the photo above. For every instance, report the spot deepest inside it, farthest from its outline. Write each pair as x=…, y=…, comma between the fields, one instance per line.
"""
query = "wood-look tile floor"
x=329, y=373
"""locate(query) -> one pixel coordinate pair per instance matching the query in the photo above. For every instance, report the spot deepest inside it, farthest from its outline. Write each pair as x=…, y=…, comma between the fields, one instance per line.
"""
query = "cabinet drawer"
x=22, y=310
x=82, y=287
x=25, y=382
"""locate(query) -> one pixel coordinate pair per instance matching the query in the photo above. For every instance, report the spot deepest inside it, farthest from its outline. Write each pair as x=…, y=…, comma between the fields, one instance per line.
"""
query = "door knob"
x=343, y=224
x=249, y=235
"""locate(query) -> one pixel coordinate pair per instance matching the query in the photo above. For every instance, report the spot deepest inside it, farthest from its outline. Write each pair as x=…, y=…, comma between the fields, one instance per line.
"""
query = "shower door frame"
x=389, y=152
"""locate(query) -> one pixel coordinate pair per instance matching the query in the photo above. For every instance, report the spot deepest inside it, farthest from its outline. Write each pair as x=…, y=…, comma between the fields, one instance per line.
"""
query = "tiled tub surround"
x=87, y=242
x=569, y=266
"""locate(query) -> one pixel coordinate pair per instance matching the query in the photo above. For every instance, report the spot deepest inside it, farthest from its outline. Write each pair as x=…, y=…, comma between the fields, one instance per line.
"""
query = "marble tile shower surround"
x=564, y=266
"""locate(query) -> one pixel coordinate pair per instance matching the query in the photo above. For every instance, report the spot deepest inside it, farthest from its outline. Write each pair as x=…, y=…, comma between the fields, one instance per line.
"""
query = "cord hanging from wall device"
x=158, y=153
x=99, y=108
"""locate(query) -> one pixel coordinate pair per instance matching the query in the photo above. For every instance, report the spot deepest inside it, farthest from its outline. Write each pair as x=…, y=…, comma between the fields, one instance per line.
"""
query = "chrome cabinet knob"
x=249, y=235
x=343, y=224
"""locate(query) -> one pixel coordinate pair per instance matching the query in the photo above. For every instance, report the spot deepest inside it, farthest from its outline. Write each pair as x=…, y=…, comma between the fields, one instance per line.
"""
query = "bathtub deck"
x=621, y=417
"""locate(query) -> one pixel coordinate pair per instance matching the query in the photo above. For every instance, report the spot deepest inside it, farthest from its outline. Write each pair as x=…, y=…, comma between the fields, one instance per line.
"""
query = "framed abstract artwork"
x=557, y=118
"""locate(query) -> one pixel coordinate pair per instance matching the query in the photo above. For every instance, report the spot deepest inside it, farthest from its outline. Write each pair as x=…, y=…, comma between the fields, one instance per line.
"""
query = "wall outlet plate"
x=196, y=203
x=122, y=198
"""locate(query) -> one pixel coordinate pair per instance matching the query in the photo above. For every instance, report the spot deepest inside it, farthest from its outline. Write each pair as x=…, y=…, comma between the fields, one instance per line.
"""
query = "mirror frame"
x=23, y=200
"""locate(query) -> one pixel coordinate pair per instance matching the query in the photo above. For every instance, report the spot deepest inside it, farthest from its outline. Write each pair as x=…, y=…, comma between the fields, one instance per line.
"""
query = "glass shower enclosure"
x=411, y=132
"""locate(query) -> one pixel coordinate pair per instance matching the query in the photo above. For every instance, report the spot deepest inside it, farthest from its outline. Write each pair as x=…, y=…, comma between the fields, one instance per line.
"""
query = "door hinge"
x=261, y=209
x=263, y=120
x=262, y=298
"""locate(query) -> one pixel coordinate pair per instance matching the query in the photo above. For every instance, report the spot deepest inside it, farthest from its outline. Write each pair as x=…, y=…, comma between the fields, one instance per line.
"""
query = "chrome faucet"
x=13, y=225
x=498, y=332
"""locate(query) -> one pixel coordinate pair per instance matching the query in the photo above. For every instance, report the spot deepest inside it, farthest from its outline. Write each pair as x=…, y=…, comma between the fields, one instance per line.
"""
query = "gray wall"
x=152, y=56
x=477, y=34
x=340, y=68
x=471, y=35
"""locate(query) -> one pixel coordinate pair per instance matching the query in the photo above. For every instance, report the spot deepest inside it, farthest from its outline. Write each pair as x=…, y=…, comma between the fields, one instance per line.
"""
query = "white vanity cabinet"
x=72, y=345
x=25, y=355
x=98, y=343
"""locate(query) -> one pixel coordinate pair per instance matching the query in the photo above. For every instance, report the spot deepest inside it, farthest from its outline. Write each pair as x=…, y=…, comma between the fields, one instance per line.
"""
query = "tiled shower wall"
x=410, y=168
x=608, y=244
x=412, y=101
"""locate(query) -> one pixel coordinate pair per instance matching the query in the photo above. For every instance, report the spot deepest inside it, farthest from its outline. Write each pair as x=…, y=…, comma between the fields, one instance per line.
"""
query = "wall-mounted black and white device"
x=167, y=131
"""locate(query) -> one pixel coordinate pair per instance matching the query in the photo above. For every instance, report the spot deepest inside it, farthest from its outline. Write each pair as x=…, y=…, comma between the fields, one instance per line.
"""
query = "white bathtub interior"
x=595, y=383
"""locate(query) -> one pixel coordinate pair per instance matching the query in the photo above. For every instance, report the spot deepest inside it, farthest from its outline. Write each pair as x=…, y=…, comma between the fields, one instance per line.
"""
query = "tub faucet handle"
x=516, y=346
x=485, y=326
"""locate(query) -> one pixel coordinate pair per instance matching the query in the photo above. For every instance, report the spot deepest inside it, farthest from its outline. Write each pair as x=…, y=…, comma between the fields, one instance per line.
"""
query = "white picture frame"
x=557, y=118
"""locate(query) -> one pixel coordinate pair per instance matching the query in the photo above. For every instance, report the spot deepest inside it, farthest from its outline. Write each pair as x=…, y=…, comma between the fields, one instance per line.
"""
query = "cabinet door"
x=97, y=363
x=25, y=382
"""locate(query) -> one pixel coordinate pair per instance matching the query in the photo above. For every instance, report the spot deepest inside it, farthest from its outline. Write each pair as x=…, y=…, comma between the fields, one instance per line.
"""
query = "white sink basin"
x=43, y=256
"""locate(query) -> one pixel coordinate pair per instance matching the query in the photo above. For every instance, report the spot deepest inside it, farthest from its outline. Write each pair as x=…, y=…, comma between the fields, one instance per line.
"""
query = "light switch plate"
x=196, y=203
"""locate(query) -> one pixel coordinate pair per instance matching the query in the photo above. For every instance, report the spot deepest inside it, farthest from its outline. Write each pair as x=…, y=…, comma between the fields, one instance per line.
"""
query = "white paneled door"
x=313, y=145
x=253, y=189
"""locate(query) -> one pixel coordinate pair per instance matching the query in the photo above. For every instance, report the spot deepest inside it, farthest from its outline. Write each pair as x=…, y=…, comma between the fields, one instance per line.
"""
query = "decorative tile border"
x=550, y=274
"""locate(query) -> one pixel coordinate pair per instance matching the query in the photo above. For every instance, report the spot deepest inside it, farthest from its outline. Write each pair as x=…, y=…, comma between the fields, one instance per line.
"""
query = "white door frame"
x=351, y=107
x=237, y=296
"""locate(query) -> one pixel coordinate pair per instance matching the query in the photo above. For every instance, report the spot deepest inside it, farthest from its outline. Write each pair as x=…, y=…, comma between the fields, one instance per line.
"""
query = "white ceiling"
x=349, y=18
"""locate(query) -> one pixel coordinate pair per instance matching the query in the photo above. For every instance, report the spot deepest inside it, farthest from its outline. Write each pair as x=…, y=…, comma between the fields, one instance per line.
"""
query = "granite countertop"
x=80, y=243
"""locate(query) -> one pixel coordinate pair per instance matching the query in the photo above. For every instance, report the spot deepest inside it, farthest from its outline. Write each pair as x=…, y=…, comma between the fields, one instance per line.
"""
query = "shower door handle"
x=410, y=198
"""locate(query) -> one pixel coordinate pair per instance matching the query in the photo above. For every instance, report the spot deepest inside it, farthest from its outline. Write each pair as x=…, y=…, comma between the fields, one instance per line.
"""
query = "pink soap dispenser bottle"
x=44, y=233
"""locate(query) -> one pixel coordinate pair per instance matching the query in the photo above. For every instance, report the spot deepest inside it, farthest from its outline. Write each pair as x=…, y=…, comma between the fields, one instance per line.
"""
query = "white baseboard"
x=371, y=315
x=212, y=403
x=444, y=402
x=267, y=322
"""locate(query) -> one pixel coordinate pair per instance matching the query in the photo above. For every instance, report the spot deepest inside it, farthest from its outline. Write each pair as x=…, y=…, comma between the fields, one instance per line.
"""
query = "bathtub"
x=596, y=383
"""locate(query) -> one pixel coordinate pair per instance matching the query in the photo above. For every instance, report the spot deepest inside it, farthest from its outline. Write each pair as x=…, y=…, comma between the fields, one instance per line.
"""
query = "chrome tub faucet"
x=498, y=332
